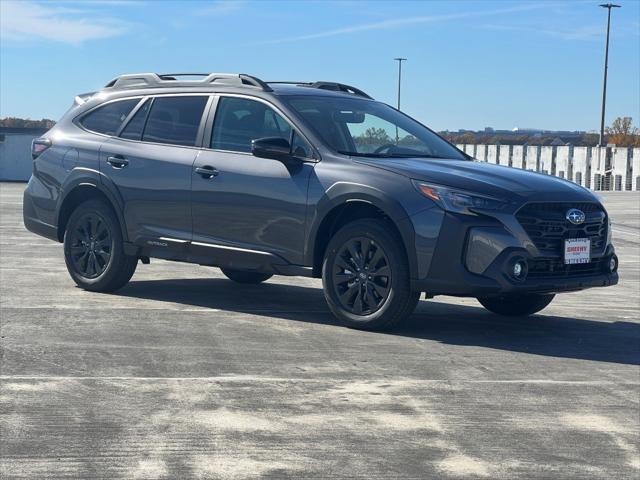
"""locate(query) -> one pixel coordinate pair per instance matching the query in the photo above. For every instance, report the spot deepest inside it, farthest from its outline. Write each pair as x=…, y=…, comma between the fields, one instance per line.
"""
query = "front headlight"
x=609, y=231
x=457, y=201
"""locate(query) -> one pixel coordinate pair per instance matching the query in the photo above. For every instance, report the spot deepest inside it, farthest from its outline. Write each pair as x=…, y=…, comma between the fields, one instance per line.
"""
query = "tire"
x=516, y=305
x=93, y=248
x=365, y=260
x=244, y=276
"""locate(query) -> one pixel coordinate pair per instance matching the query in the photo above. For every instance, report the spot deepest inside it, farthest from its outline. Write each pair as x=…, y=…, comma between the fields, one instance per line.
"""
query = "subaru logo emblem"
x=575, y=216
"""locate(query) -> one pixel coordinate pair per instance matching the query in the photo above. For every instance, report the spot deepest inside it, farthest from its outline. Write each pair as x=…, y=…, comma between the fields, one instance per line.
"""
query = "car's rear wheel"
x=365, y=275
x=244, y=276
x=93, y=248
x=516, y=304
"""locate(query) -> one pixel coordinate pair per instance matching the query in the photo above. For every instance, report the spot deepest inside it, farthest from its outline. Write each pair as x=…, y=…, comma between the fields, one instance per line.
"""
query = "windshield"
x=353, y=126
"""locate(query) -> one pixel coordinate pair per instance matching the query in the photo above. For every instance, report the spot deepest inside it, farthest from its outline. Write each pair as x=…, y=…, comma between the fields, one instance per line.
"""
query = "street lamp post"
x=399, y=60
x=608, y=6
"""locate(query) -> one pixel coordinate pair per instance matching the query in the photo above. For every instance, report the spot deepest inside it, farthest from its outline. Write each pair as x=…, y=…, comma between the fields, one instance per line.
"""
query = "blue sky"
x=470, y=64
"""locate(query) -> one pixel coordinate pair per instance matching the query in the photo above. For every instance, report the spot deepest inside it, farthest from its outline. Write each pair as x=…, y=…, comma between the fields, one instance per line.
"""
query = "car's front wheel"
x=93, y=248
x=516, y=304
x=365, y=275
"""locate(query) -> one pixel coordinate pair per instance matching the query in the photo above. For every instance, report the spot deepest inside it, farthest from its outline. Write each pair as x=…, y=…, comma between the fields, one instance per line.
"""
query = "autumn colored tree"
x=374, y=136
x=622, y=133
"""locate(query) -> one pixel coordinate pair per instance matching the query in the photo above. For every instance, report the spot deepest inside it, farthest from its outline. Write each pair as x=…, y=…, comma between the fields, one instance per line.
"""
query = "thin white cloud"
x=109, y=3
x=579, y=33
x=401, y=22
x=25, y=20
x=219, y=8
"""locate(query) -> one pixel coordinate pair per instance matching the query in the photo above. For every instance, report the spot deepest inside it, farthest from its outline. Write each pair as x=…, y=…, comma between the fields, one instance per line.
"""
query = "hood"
x=486, y=178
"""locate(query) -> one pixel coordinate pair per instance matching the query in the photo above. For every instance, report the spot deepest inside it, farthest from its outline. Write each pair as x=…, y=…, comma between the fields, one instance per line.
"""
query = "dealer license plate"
x=577, y=250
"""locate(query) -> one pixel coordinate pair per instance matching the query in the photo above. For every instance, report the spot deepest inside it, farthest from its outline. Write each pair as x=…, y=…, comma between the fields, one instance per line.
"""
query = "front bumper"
x=474, y=257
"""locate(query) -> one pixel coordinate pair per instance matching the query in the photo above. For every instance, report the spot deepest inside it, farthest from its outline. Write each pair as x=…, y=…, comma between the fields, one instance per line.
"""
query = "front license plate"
x=577, y=250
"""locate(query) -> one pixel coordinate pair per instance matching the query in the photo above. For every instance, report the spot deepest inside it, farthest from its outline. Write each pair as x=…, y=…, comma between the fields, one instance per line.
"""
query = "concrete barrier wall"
x=621, y=168
x=532, y=159
x=635, y=170
x=547, y=157
x=15, y=157
x=481, y=153
x=598, y=168
x=504, y=155
x=517, y=156
x=582, y=166
x=492, y=154
x=599, y=160
x=563, y=163
x=470, y=149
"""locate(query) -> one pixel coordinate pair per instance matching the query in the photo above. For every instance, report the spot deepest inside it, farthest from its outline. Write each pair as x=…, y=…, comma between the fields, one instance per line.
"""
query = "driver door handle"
x=117, y=161
x=207, y=172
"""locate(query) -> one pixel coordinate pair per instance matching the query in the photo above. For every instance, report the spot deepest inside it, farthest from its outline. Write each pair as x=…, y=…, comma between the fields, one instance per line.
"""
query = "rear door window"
x=108, y=118
x=133, y=130
x=175, y=120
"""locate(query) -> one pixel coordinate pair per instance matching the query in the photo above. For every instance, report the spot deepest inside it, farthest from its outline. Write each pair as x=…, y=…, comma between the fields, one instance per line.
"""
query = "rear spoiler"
x=82, y=98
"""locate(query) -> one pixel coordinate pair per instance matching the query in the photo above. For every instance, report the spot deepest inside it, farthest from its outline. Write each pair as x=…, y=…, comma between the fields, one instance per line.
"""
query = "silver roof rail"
x=149, y=80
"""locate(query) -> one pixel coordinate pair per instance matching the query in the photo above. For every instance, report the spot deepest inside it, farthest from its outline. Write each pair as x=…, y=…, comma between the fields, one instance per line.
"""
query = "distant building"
x=15, y=152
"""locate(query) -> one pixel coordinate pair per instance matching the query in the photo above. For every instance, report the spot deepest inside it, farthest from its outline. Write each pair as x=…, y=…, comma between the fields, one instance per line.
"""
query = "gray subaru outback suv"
x=313, y=179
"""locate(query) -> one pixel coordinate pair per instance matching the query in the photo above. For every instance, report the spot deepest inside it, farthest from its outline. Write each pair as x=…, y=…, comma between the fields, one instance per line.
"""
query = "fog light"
x=613, y=264
x=519, y=270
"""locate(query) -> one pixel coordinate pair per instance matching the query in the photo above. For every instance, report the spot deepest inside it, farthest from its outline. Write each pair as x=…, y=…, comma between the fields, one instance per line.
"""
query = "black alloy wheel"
x=361, y=276
x=91, y=245
x=94, y=248
x=365, y=276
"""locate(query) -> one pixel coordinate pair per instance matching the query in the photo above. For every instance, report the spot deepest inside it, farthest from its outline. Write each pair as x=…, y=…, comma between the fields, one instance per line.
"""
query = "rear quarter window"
x=133, y=129
x=108, y=118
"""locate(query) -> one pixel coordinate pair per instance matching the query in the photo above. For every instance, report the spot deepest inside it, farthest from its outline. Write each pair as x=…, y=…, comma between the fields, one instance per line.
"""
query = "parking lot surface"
x=184, y=374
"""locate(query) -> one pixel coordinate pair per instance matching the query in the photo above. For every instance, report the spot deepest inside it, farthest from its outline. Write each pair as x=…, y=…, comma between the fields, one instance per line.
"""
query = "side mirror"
x=276, y=148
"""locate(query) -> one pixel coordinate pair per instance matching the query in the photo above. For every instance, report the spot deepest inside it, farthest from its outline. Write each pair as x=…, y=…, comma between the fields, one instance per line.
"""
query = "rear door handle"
x=117, y=161
x=207, y=171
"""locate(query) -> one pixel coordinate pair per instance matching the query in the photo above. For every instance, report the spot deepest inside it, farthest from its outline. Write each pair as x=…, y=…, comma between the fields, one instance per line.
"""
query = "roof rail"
x=172, y=76
x=340, y=87
x=148, y=80
x=334, y=86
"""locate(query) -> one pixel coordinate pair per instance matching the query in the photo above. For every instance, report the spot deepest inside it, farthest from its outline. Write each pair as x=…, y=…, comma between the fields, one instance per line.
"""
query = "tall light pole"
x=608, y=6
x=399, y=60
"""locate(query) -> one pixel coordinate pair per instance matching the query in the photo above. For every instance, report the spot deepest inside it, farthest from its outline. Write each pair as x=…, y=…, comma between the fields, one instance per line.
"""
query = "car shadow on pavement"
x=557, y=336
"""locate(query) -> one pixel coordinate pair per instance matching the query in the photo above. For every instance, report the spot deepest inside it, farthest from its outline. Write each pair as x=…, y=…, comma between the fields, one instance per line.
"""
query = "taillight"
x=39, y=145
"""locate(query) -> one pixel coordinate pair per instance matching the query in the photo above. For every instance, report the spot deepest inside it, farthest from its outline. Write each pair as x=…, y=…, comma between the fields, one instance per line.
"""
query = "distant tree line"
x=621, y=133
x=14, y=122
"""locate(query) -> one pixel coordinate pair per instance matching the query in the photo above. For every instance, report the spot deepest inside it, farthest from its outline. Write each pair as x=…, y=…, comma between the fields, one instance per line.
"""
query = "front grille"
x=554, y=267
x=546, y=225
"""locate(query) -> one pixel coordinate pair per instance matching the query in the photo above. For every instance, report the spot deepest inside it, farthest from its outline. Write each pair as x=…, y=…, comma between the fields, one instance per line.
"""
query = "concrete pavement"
x=184, y=374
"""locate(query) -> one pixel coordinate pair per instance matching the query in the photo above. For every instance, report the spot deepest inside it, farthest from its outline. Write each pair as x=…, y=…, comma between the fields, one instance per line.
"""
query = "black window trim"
x=133, y=114
x=77, y=120
x=201, y=126
x=203, y=137
x=208, y=131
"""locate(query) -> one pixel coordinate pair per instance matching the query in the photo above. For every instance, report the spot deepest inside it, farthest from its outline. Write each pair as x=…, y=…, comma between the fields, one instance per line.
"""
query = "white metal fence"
x=597, y=168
